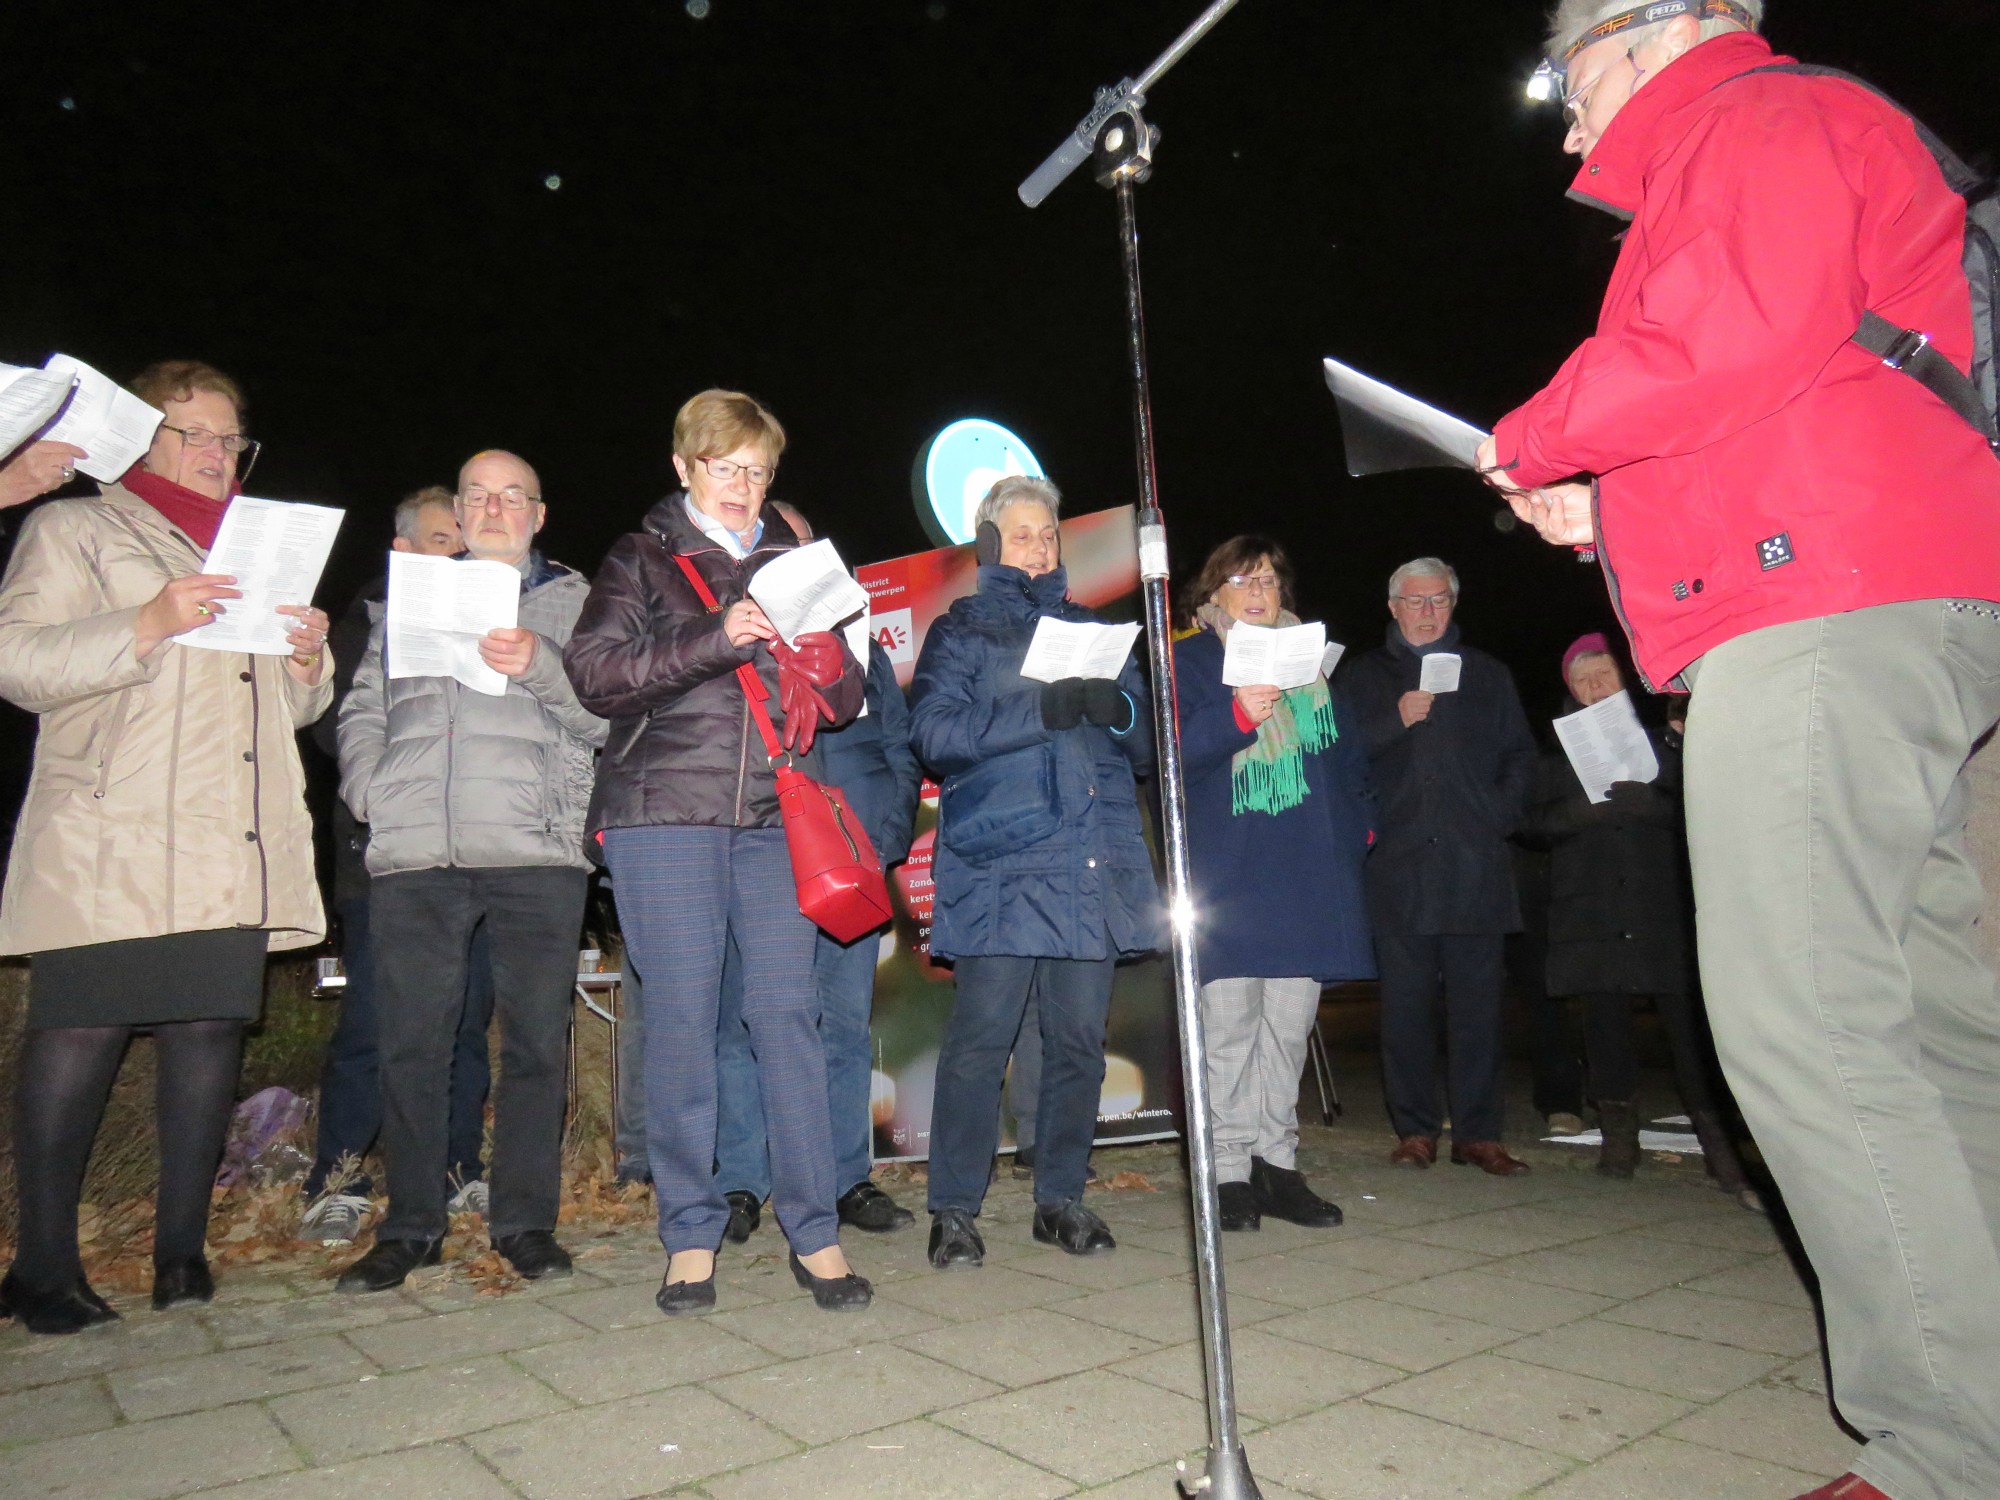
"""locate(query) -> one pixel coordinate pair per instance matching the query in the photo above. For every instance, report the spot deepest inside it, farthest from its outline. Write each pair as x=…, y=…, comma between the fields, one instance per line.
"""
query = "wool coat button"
x=250, y=835
x=242, y=676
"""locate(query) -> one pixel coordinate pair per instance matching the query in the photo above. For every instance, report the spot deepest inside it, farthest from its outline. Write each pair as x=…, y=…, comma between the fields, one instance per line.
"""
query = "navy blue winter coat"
x=871, y=761
x=1277, y=895
x=1084, y=888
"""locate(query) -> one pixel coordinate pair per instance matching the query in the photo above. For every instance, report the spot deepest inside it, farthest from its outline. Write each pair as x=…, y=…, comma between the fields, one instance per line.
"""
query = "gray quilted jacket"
x=445, y=776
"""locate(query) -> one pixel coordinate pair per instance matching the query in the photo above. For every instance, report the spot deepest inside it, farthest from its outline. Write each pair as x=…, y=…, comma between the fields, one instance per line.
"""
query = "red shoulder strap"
x=746, y=675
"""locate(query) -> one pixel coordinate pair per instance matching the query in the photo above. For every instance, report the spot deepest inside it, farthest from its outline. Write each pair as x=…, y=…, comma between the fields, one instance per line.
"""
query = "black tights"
x=65, y=1078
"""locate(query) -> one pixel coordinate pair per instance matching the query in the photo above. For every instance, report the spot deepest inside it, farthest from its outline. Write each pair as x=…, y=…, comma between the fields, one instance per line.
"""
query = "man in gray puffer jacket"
x=476, y=807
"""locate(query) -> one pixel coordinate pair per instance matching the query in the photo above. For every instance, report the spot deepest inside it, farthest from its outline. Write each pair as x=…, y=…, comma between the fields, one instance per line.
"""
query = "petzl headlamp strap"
x=1651, y=14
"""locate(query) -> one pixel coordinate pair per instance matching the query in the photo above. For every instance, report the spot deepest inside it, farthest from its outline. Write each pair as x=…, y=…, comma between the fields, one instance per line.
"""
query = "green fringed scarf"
x=1270, y=776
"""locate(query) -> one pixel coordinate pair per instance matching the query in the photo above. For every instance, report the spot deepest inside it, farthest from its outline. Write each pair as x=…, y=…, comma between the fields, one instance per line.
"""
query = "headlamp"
x=1548, y=80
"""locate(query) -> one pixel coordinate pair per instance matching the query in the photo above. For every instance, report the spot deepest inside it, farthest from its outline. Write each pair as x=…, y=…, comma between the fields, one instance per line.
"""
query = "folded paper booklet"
x=1607, y=744
x=1440, y=673
x=1077, y=648
x=1283, y=656
x=807, y=589
x=440, y=608
x=113, y=427
x=275, y=551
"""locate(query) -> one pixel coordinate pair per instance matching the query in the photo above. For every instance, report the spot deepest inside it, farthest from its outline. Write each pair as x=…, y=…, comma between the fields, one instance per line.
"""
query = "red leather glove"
x=816, y=662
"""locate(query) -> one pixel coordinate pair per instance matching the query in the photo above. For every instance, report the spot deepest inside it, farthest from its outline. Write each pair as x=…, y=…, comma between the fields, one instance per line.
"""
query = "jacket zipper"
x=1611, y=583
x=743, y=762
x=257, y=795
x=112, y=735
x=450, y=766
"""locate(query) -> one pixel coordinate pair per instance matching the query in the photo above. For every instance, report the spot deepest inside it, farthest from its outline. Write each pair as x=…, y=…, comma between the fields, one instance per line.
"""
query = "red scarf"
x=194, y=513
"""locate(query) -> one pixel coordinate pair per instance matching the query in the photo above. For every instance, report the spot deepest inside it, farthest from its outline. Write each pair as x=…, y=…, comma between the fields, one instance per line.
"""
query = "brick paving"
x=1555, y=1336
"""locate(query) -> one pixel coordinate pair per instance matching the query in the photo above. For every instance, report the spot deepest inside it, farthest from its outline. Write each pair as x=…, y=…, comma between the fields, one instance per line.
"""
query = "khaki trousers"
x=1857, y=1025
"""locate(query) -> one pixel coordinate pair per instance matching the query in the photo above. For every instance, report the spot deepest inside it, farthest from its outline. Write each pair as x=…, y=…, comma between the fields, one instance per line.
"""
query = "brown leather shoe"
x=1488, y=1156
x=1414, y=1151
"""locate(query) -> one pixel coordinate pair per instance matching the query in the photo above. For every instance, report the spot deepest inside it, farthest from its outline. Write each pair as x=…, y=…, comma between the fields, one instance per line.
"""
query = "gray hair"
x=1571, y=18
x=410, y=509
x=1424, y=567
x=1017, y=489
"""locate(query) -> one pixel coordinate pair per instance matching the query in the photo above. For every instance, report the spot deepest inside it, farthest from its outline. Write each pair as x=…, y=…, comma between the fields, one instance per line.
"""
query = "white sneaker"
x=470, y=1199
x=334, y=1218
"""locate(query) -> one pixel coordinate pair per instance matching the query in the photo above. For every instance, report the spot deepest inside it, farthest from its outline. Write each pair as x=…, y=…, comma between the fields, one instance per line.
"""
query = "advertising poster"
x=1141, y=1100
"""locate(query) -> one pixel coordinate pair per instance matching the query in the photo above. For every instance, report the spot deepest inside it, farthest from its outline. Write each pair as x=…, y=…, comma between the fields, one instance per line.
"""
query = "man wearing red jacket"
x=1810, y=541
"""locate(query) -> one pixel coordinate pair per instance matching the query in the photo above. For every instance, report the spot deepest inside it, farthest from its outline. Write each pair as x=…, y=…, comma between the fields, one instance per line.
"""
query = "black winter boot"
x=1619, y=1156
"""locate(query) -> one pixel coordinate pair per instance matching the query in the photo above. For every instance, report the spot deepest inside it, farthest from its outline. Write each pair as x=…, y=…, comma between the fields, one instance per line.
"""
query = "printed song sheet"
x=28, y=398
x=439, y=607
x=112, y=426
x=1285, y=656
x=276, y=552
x=1077, y=648
x=1384, y=429
x=807, y=589
x=1440, y=673
x=1606, y=743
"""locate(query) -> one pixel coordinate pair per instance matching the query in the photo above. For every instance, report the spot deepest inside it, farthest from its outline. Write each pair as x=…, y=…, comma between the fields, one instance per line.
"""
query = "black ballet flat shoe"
x=849, y=1293
x=389, y=1264
x=66, y=1310
x=745, y=1214
x=679, y=1299
x=178, y=1281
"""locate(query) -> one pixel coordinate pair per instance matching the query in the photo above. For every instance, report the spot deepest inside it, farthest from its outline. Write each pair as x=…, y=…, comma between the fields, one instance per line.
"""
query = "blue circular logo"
x=956, y=469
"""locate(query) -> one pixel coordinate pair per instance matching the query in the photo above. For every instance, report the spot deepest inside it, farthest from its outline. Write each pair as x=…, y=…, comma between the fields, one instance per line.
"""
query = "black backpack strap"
x=1913, y=353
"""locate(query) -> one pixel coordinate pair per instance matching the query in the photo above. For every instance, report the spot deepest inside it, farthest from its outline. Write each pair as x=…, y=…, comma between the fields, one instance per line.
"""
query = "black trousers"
x=420, y=925
x=1613, y=1054
x=1456, y=977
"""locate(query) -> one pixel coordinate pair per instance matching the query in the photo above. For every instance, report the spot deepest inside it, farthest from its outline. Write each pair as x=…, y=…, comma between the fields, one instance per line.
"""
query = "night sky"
x=355, y=210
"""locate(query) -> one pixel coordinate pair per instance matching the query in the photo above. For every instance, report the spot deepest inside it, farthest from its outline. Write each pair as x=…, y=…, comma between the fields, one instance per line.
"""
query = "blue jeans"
x=1073, y=998
x=685, y=895
x=844, y=975
x=350, y=1084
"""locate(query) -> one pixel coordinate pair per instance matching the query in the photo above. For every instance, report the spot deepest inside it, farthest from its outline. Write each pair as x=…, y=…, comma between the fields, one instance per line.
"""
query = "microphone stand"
x=1119, y=144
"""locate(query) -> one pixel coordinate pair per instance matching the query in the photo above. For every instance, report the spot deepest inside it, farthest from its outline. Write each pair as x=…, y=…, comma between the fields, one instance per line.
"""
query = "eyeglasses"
x=758, y=476
x=1574, y=103
x=235, y=444
x=513, y=497
x=1261, y=583
x=1424, y=603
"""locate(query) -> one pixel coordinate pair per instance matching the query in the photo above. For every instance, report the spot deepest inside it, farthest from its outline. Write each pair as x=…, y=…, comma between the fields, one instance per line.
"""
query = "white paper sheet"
x=439, y=608
x=1440, y=673
x=806, y=589
x=276, y=552
x=1077, y=648
x=112, y=426
x=1385, y=430
x=28, y=398
x=1284, y=656
x=1330, y=658
x=1606, y=743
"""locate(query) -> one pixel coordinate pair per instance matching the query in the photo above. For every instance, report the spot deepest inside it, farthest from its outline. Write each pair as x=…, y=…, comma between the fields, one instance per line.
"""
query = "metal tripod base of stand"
x=1227, y=1477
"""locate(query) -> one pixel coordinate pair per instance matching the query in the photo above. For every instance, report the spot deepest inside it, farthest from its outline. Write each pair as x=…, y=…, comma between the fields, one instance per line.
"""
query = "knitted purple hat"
x=1593, y=644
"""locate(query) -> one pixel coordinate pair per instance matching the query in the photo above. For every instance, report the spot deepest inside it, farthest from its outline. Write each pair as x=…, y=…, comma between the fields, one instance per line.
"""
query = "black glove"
x=1104, y=704
x=1062, y=703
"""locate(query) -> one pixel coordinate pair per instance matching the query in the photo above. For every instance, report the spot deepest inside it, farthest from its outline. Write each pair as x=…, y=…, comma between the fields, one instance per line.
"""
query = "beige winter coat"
x=167, y=794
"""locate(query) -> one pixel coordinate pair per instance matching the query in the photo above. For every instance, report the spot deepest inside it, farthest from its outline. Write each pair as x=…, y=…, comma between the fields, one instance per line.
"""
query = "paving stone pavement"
x=1556, y=1336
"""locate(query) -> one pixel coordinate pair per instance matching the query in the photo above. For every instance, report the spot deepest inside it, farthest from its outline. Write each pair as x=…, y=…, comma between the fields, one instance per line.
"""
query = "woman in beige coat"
x=164, y=844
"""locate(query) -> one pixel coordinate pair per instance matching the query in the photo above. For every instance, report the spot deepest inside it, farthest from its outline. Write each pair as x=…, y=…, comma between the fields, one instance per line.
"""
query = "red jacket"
x=1754, y=466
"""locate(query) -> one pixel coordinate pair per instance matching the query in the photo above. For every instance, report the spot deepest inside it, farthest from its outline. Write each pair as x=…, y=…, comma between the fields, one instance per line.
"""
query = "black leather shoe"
x=181, y=1281
x=1238, y=1202
x=1074, y=1228
x=1282, y=1193
x=534, y=1253
x=745, y=1214
x=70, y=1310
x=679, y=1299
x=954, y=1241
x=849, y=1293
x=388, y=1264
x=866, y=1206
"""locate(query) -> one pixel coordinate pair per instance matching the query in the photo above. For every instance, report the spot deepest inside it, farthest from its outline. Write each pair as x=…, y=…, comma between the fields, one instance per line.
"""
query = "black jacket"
x=348, y=641
x=1452, y=788
x=649, y=656
x=873, y=765
x=1617, y=899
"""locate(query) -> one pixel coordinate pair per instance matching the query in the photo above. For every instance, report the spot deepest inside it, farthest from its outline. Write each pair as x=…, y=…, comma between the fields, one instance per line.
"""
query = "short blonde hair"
x=179, y=379
x=718, y=422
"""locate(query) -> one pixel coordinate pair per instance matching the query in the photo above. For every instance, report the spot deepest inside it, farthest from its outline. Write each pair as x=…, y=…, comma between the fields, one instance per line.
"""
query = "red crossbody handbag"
x=835, y=867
